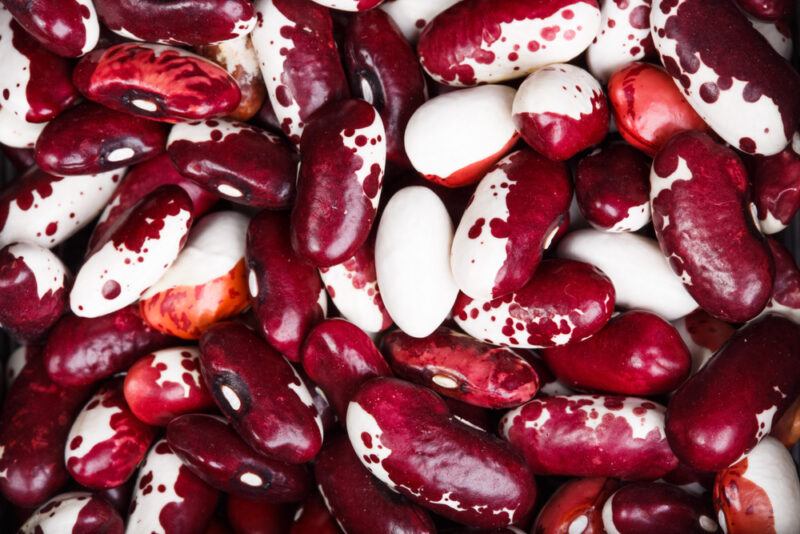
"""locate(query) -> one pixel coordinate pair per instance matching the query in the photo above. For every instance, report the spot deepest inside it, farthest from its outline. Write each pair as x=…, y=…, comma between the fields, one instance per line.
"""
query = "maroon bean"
x=168, y=497
x=181, y=22
x=142, y=180
x=236, y=161
x=383, y=70
x=156, y=81
x=33, y=290
x=591, y=435
x=761, y=361
x=405, y=435
x=106, y=442
x=786, y=290
x=612, y=187
x=82, y=351
x=286, y=292
x=76, y=512
x=36, y=417
x=339, y=357
x=299, y=60
x=542, y=314
x=346, y=486
x=90, y=138
x=260, y=393
x=776, y=189
x=728, y=72
x=67, y=27
x=767, y=9
x=576, y=507
x=636, y=353
x=342, y=159
x=312, y=517
x=459, y=366
x=645, y=507
x=702, y=218
x=215, y=453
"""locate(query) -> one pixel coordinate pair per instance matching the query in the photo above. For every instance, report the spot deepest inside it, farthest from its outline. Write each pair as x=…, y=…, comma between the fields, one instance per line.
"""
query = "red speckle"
x=216, y=135
x=475, y=229
x=111, y=289
x=612, y=23
x=569, y=35
x=533, y=46
x=420, y=23
x=499, y=228
x=747, y=145
x=367, y=439
x=513, y=56
x=331, y=291
x=75, y=443
x=549, y=33
x=361, y=140
x=51, y=228
x=568, y=14
x=372, y=183
x=6, y=94
x=282, y=96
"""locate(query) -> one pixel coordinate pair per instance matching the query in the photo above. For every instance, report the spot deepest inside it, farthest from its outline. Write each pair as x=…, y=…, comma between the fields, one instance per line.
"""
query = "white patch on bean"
x=93, y=426
x=359, y=422
x=355, y=301
x=618, y=42
x=165, y=469
x=58, y=515
x=173, y=370
x=372, y=152
x=299, y=388
x=561, y=89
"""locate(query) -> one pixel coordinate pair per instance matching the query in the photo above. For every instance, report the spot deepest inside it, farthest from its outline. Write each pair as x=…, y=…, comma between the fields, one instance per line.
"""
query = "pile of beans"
x=401, y=266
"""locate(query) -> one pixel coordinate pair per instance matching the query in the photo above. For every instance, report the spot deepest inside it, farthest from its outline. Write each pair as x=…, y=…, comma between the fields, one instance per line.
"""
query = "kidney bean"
x=68, y=28
x=16, y=361
x=648, y=108
x=591, y=435
x=613, y=48
x=732, y=421
x=312, y=517
x=82, y=351
x=342, y=159
x=168, y=496
x=339, y=357
x=36, y=84
x=166, y=384
x=178, y=23
x=45, y=210
x=500, y=240
x=74, y=512
x=458, y=366
x=708, y=243
x=542, y=314
x=612, y=186
x=560, y=110
x=142, y=180
x=729, y=72
x=260, y=393
x=106, y=442
x=454, y=138
x=411, y=16
x=641, y=276
x=411, y=260
x=353, y=287
x=776, y=189
x=139, y=250
x=786, y=290
x=383, y=70
x=759, y=493
x=33, y=290
x=703, y=335
x=645, y=507
x=239, y=162
x=213, y=451
x=405, y=436
x=156, y=81
x=778, y=34
x=285, y=291
x=766, y=9
x=238, y=57
x=575, y=507
x=636, y=353
x=34, y=423
x=299, y=60
x=491, y=41
x=207, y=282
x=254, y=516
x=345, y=486
x=90, y=138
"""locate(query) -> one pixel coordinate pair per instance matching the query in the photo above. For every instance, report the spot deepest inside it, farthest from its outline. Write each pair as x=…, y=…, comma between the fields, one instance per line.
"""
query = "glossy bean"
x=613, y=48
x=776, y=189
x=68, y=28
x=76, y=512
x=576, y=507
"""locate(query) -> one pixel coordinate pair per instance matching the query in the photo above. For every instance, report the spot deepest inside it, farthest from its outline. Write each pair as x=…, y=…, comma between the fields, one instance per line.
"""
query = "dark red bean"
x=383, y=70
x=346, y=486
x=181, y=22
x=156, y=81
x=67, y=27
x=236, y=161
x=76, y=512
x=82, y=351
x=405, y=435
x=36, y=418
x=704, y=225
x=459, y=366
x=742, y=390
x=339, y=357
x=636, y=353
x=576, y=507
x=286, y=292
x=215, y=453
x=776, y=189
x=260, y=393
x=254, y=516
